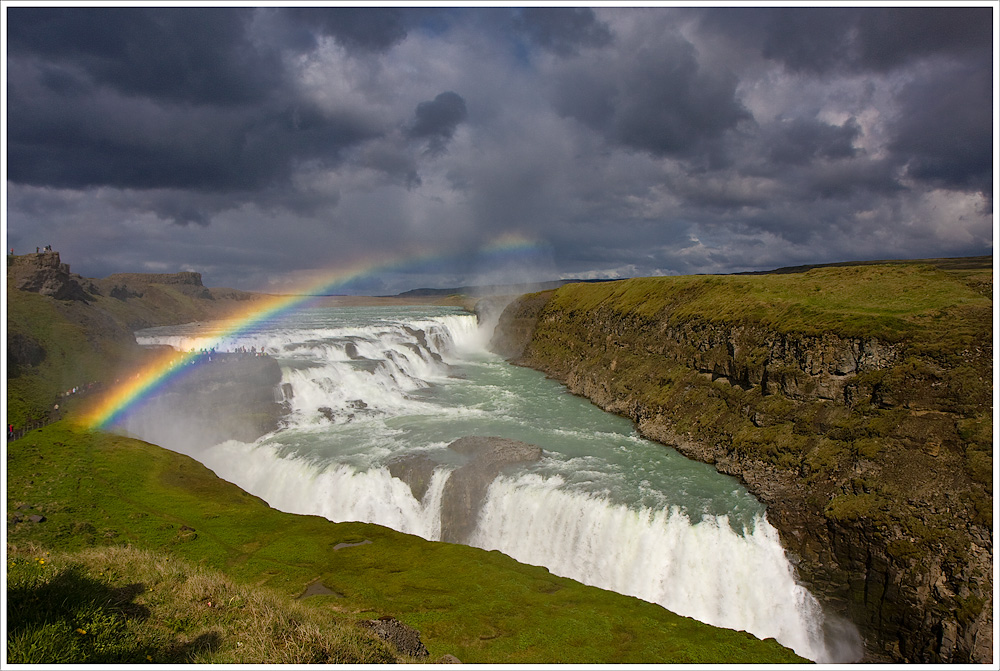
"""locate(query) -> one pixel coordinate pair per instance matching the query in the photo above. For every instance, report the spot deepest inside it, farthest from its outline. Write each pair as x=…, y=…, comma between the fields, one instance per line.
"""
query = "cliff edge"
x=855, y=402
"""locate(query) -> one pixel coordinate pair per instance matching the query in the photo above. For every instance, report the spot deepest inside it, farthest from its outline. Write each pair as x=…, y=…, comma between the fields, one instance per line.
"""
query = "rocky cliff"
x=44, y=273
x=855, y=403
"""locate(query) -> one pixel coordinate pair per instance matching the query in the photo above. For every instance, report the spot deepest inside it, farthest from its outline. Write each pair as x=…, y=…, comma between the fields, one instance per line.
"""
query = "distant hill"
x=494, y=289
x=954, y=263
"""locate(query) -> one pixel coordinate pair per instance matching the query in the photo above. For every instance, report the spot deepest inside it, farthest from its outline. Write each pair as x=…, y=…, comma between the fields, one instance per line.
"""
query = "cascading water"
x=374, y=389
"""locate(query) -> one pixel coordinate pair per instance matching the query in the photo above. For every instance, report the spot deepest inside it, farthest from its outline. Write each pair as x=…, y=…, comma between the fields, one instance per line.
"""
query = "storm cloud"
x=254, y=144
x=436, y=120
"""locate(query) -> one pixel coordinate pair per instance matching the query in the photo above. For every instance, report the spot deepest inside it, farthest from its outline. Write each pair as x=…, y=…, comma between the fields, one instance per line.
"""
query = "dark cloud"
x=177, y=98
x=830, y=39
x=621, y=140
x=562, y=30
x=436, y=120
x=105, y=140
x=801, y=141
x=655, y=98
x=372, y=29
x=944, y=130
x=194, y=55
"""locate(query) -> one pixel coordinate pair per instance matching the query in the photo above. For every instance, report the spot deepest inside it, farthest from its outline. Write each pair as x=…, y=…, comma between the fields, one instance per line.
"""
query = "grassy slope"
x=85, y=343
x=123, y=605
x=96, y=489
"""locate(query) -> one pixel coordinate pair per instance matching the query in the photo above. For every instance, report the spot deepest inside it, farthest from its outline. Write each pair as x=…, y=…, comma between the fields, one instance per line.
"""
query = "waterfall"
x=698, y=568
x=367, y=388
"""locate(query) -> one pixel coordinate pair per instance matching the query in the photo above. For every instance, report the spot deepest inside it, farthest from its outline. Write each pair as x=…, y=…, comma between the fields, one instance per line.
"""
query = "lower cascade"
x=400, y=416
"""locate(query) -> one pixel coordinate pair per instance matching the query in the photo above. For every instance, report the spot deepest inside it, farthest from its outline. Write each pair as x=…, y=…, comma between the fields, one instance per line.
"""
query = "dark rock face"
x=402, y=637
x=862, y=453
x=465, y=489
x=133, y=285
x=518, y=321
x=45, y=274
x=416, y=471
x=484, y=458
x=123, y=292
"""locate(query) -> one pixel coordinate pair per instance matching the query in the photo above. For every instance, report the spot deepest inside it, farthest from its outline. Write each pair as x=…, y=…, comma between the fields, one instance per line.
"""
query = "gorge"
x=855, y=403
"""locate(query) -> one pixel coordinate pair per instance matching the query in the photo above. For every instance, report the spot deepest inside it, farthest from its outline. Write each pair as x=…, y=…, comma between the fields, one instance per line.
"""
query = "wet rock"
x=466, y=488
x=416, y=471
x=404, y=638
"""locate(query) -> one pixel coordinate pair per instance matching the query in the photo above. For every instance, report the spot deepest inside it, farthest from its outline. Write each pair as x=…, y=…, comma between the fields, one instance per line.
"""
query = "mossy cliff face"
x=859, y=415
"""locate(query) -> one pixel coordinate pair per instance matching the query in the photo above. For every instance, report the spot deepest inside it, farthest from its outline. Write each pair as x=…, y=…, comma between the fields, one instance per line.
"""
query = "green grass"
x=122, y=605
x=98, y=490
x=888, y=302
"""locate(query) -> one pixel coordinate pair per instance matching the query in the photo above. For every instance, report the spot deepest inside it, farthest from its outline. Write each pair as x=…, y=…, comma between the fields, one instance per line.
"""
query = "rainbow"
x=166, y=368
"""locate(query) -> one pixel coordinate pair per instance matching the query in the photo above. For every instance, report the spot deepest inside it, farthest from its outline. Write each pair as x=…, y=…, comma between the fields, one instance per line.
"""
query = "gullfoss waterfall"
x=376, y=396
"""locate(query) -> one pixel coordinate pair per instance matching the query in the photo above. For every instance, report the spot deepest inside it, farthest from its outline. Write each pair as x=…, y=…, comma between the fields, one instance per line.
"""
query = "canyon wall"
x=868, y=438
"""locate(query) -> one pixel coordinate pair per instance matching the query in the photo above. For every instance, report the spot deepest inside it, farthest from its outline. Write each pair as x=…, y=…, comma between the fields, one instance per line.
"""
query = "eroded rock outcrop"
x=44, y=273
x=482, y=459
x=465, y=490
x=872, y=456
x=133, y=285
x=404, y=638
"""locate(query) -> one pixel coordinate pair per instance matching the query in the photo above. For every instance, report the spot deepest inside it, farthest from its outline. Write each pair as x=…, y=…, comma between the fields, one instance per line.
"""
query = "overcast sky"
x=258, y=145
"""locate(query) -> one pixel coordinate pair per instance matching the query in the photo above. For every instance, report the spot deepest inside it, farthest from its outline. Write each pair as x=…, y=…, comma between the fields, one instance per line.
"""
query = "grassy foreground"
x=144, y=555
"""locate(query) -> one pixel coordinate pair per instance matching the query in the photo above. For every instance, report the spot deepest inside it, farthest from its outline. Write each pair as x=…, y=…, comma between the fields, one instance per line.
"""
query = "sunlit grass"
x=884, y=301
x=120, y=605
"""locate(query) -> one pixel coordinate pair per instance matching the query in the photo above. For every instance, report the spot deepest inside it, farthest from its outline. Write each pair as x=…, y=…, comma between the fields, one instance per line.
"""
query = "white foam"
x=704, y=570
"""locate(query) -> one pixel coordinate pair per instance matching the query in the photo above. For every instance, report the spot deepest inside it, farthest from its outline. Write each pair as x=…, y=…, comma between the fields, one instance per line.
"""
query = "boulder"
x=466, y=488
x=405, y=639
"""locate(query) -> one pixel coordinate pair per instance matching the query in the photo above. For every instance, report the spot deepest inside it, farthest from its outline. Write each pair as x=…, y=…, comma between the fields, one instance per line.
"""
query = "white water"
x=603, y=506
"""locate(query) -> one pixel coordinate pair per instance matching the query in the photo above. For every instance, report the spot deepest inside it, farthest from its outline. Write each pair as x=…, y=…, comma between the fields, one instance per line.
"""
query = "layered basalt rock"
x=124, y=286
x=873, y=457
